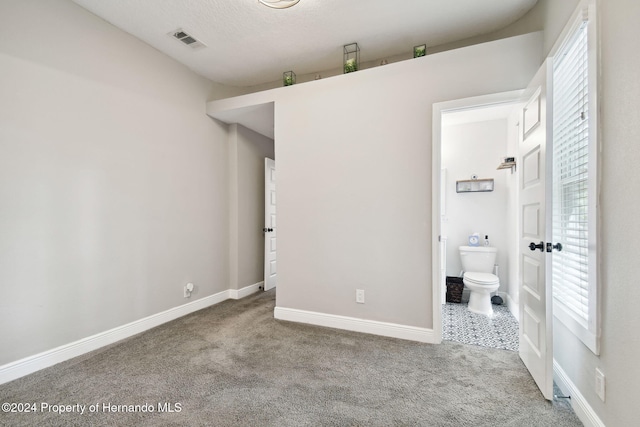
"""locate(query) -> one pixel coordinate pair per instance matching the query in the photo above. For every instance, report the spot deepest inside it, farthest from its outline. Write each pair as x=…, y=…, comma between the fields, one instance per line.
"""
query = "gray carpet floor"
x=234, y=365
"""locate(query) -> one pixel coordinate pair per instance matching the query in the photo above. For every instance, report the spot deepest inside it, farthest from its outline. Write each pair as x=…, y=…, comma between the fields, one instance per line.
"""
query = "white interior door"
x=536, y=340
x=269, y=223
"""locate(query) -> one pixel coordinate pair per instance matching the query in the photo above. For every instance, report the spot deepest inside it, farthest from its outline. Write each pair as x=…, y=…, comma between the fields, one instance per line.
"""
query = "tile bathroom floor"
x=461, y=325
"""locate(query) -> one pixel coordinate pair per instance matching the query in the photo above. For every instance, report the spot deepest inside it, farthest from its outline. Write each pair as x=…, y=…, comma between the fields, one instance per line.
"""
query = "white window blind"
x=570, y=218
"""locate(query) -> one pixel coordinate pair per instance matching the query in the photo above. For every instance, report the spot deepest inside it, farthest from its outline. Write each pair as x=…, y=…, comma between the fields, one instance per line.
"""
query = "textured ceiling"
x=248, y=43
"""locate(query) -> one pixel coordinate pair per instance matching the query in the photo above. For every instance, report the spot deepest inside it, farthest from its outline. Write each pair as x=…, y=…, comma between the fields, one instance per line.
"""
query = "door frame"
x=511, y=97
x=270, y=229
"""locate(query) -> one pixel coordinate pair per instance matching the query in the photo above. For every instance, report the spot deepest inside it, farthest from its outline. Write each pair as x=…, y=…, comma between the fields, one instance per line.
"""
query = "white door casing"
x=269, y=223
x=536, y=339
x=443, y=236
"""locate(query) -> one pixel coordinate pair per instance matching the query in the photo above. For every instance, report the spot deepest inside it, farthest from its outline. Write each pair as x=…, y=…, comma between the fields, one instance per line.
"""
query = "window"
x=574, y=272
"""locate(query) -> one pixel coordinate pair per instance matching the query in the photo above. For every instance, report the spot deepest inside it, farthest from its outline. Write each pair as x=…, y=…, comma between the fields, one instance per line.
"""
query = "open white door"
x=536, y=339
x=269, y=224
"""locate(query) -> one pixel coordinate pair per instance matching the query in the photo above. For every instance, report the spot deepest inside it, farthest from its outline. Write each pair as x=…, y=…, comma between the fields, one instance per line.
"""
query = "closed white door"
x=536, y=340
x=269, y=224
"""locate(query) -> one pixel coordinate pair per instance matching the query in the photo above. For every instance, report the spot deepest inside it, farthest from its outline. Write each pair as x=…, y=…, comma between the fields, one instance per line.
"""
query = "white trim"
x=502, y=295
x=28, y=365
x=581, y=407
x=505, y=300
x=576, y=326
x=374, y=327
x=514, y=307
x=246, y=291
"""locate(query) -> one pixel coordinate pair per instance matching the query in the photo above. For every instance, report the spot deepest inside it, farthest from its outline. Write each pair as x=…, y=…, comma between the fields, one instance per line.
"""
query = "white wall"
x=354, y=179
x=113, y=182
x=247, y=151
x=467, y=149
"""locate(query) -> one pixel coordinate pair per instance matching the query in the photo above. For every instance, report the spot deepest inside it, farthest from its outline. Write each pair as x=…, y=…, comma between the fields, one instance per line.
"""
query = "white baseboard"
x=513, y=307
x=246, y=291
x=394, y=330
x=581, y=407
x=28, y=365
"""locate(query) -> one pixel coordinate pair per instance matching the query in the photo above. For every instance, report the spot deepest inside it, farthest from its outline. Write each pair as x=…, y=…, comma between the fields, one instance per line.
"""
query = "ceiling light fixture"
x=279, y=4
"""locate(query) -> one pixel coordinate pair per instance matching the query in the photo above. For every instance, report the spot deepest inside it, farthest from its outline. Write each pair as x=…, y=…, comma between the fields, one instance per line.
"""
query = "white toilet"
x=477, y=264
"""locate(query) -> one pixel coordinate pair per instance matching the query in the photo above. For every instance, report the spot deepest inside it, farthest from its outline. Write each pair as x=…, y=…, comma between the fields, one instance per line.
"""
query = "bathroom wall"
x=512, y=224
x=476, y=148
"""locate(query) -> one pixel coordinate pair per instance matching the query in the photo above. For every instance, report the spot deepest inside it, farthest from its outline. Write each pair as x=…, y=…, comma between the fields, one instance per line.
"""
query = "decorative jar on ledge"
x=288, y=78
x=419, y=51
x=351, y=58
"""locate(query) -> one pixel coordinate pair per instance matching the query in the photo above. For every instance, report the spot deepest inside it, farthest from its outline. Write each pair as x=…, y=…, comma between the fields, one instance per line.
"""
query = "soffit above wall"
x=258, y=118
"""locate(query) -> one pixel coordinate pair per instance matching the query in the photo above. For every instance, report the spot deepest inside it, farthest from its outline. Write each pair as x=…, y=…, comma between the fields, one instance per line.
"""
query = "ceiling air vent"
x=187, y=39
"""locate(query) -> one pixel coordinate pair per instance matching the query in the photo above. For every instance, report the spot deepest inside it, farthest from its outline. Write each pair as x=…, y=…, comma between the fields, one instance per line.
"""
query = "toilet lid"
x=481, y=278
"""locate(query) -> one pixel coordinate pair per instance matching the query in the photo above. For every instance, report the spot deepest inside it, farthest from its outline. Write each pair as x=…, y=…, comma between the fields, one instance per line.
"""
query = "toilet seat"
x=481, y=279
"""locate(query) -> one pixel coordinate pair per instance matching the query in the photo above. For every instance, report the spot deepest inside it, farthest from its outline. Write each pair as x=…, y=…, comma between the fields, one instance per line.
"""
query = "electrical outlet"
x=188, y=288
x=600, y=384
x=360, y=296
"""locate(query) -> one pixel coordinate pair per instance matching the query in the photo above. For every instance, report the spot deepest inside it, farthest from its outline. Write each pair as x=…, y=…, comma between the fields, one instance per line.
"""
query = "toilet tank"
x=479, y=259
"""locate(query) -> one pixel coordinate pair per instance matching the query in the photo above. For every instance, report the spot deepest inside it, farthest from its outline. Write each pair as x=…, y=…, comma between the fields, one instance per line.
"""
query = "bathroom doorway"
x=472, y=138
x=270, y=229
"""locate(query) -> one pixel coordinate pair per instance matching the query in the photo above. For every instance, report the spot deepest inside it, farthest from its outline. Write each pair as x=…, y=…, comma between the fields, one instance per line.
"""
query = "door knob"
x=266, y=230
x=557, y=247
x=533, y=246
